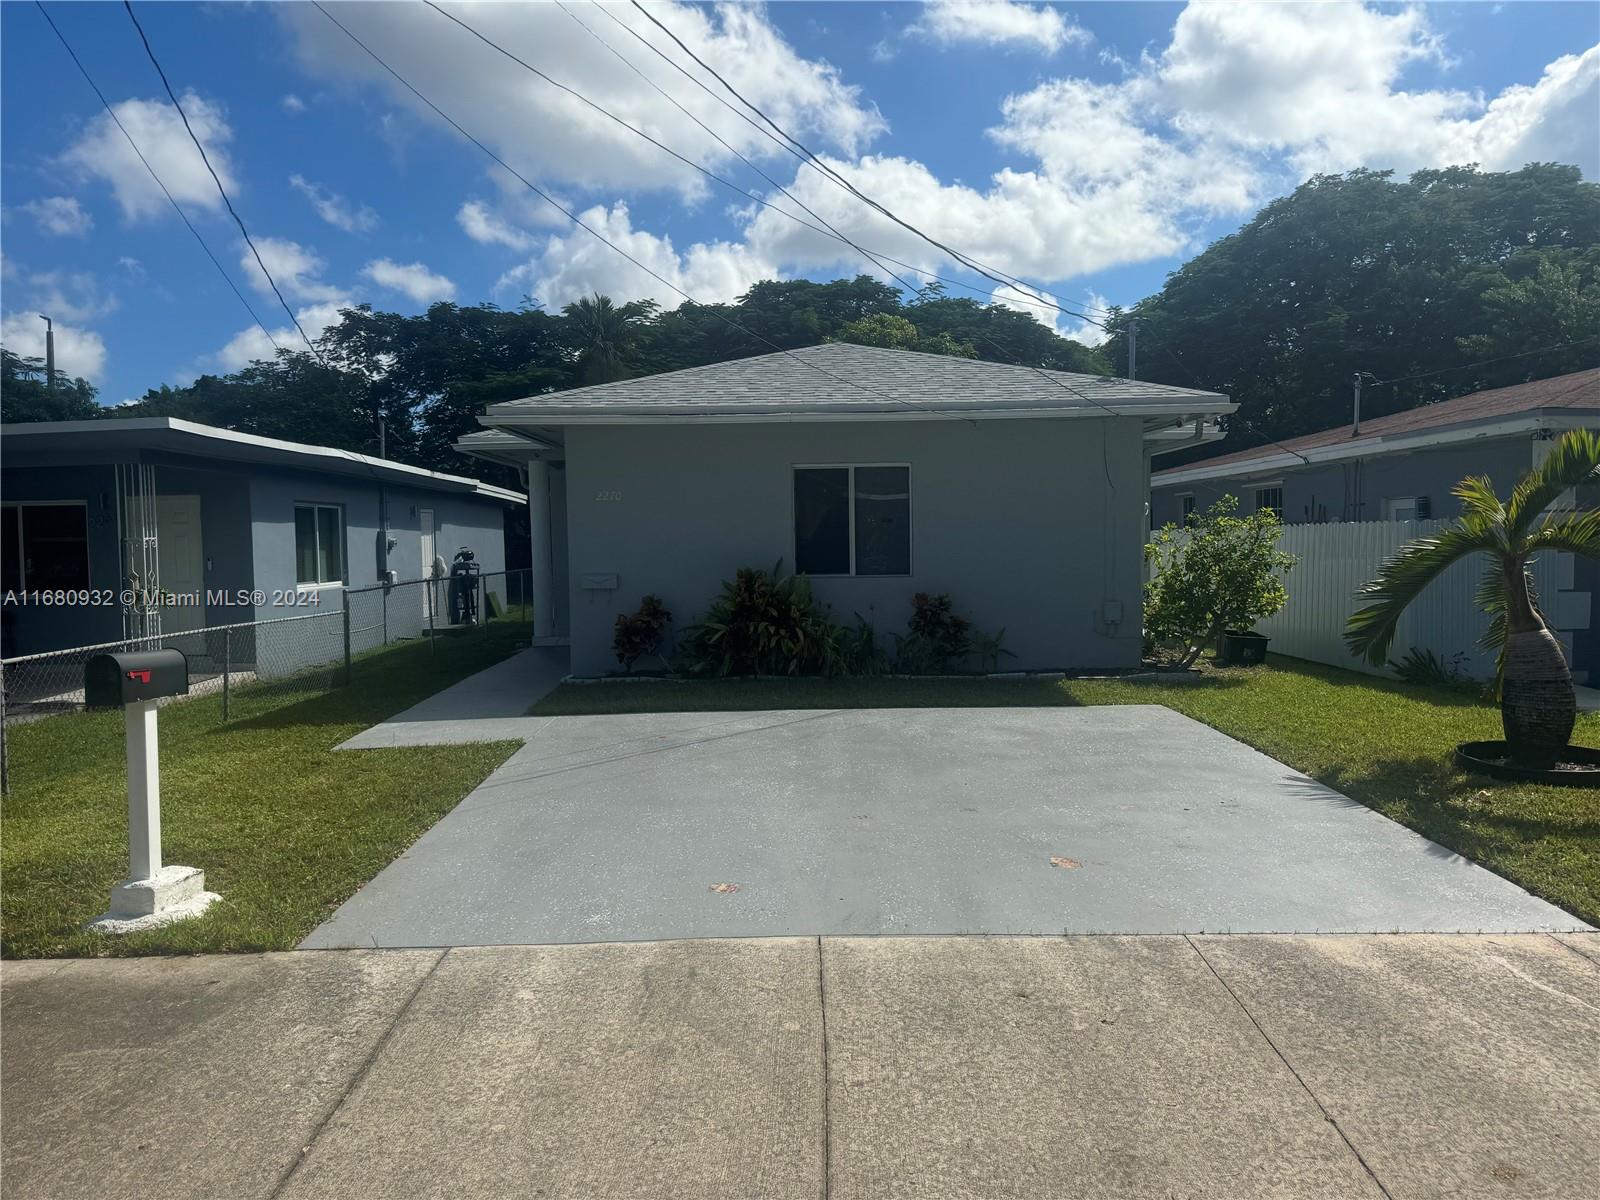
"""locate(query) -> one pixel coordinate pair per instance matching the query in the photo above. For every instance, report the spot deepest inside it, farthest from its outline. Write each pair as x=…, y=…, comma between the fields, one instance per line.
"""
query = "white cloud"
x=62, y=216
x=251, y=344
x=296, y=269
x=552, y=137
x=101, y=152
x=290, y=103
x=576, y=265
x=71, y=296
x=999, y=23
x=410, y=279
x=481, y=225
x=1322, y=85
x=334, y=208
x=78, y=351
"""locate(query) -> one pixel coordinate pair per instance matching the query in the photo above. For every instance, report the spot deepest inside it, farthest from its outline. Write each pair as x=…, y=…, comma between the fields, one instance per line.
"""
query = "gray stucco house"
x=879, y=473
x=1402, y=467
x=95, y=506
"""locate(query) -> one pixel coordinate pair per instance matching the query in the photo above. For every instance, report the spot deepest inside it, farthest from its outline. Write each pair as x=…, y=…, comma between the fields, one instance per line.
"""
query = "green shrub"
x=642, y=633
x=1220, y=573
x=765, y=623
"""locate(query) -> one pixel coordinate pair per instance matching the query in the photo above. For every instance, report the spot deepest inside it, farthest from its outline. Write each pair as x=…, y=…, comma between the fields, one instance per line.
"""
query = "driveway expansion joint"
x=361, y=1072
x=827, y=1119
x=1298, y=1078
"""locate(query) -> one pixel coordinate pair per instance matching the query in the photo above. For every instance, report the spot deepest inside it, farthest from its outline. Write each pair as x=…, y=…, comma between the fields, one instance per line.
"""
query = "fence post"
x=227, y=664
x=347, y=636
x=433, y=603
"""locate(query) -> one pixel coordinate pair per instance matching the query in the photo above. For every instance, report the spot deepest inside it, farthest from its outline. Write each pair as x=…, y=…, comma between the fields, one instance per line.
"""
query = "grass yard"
x=1383, y=743
x=284, y=828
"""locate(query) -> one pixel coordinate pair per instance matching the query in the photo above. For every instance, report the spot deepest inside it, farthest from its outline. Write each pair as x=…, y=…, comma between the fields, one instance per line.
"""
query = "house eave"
x=1556, y=420
x=499, y=417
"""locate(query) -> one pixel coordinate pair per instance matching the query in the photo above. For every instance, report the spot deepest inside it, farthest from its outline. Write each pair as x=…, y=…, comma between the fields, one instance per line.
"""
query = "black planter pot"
x=1582, y=767
x=1241, y=649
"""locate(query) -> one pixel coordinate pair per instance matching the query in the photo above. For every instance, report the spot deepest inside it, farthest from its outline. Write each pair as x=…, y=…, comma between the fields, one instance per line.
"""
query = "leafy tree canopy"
x=25, y=394
x=429, y=377
x=1364, y=272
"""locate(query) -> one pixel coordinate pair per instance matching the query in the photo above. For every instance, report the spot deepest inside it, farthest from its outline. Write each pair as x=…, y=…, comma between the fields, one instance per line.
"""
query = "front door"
x=180, y=558
x=425, y=521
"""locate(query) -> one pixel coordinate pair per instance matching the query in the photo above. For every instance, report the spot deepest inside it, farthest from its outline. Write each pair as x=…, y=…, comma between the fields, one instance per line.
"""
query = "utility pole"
x=49, y=353
x=1133, y=347
x=383, y=436
x=1355, y=417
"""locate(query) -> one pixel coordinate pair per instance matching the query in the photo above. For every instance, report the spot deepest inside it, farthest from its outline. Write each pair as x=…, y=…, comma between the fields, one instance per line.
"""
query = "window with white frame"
x=318, y=544
x=45, y=546
x=1270, y=496
x=853, y=520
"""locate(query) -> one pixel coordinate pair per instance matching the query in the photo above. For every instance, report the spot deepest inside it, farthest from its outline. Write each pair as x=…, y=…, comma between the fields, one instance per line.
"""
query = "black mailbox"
x=115, y=680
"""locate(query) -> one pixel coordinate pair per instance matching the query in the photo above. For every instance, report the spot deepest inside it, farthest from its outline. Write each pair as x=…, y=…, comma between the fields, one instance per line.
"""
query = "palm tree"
x=1536, y=698
x=603, y=332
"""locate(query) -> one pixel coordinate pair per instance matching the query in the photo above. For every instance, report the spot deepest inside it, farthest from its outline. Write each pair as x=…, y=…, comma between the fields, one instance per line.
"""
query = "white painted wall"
x=1335, y=560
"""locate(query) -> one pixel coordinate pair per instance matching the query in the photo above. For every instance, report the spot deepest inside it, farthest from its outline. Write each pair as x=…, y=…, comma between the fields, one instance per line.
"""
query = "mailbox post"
x=152, y=894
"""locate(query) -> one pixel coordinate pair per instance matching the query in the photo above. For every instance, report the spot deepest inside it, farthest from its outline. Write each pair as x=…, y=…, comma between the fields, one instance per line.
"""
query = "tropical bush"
x=1537, y=705
x=641, y=634
x=937, y=640
x=1221, y=573
x=765, y=623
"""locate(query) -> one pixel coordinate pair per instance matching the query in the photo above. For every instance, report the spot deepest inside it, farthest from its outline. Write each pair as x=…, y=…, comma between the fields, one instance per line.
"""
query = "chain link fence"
x=306, y=652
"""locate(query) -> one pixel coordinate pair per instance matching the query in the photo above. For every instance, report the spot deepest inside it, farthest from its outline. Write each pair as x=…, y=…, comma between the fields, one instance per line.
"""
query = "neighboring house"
x=1401, y=468
x=1395, y=468
x=172, y=506
x=878, y=473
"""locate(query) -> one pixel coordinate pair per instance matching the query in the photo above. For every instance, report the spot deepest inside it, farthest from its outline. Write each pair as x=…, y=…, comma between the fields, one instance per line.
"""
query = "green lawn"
x=1383, y=743
x=284, y=828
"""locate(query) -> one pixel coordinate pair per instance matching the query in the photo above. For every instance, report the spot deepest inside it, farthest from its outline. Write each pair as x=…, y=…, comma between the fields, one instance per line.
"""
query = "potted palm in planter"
x=1537, y=705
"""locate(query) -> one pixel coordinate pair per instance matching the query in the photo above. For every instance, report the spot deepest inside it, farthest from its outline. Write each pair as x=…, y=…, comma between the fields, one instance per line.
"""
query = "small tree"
x=1537, y=705
x=1220, y=573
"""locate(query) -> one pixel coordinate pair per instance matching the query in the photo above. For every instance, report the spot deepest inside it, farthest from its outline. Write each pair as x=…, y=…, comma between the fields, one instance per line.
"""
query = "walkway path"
x=1337, y=1067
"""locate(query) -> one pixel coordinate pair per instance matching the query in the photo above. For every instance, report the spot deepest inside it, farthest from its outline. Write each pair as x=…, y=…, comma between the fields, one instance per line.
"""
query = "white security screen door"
x=182, y=564
x=425, y=523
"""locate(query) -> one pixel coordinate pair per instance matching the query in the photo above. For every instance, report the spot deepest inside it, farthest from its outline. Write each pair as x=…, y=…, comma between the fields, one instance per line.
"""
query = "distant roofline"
x=327, y=458
x=1273, y=460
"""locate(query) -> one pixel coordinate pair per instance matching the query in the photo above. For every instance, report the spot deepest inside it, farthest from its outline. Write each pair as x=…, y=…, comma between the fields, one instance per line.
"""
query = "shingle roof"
x=1580, y=390
x=839, y=378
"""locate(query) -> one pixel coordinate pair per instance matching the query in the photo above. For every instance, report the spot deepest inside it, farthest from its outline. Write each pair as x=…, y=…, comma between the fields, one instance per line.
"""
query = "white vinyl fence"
x=1335, y=560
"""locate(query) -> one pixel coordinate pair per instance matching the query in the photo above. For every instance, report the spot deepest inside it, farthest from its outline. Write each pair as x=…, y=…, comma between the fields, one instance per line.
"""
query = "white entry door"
x=180, y=556
x=425, y=522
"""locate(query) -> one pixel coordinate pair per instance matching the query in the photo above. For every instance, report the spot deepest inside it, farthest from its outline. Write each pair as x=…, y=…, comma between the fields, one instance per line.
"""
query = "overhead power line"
x=223, y=192
x=801, y=150
x=1483, y=362
x=182, y=216
x=822, y=225
x=598, y=236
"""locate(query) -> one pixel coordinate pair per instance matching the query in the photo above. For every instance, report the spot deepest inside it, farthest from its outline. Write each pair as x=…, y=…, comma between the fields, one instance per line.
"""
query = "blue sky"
x=1086, y=148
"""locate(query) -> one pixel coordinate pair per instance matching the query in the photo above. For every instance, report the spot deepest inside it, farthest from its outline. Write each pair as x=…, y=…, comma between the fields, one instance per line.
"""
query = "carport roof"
x=840, y=380
x=62, y=441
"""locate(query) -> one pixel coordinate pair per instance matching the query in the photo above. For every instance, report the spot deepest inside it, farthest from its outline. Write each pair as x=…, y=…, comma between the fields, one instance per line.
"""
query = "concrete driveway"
x=901, y=821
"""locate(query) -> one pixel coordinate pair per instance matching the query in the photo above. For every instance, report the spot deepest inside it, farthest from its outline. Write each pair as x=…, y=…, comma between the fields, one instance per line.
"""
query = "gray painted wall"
x=1012, y=518
x=1323, y=492
x=247, y=531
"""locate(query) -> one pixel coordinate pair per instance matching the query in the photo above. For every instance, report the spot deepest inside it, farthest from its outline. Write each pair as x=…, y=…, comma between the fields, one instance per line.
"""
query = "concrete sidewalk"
x=1236, y=1067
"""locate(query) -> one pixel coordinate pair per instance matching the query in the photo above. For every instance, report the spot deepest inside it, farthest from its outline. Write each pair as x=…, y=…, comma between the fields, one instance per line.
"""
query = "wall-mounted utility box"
x=117, y=680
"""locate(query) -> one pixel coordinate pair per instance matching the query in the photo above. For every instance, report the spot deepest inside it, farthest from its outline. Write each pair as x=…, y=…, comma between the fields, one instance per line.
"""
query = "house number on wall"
x=608, y=495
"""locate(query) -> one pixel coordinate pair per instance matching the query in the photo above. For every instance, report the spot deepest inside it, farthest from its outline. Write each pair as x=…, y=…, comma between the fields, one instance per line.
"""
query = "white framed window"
x=44, y=545
x=1270, y=495
x=318, y=544
x=1400, y=508
x=852, y=519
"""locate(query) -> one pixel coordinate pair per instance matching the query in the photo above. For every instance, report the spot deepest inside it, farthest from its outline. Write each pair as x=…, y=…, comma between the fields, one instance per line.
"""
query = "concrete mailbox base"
x=171, y=894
